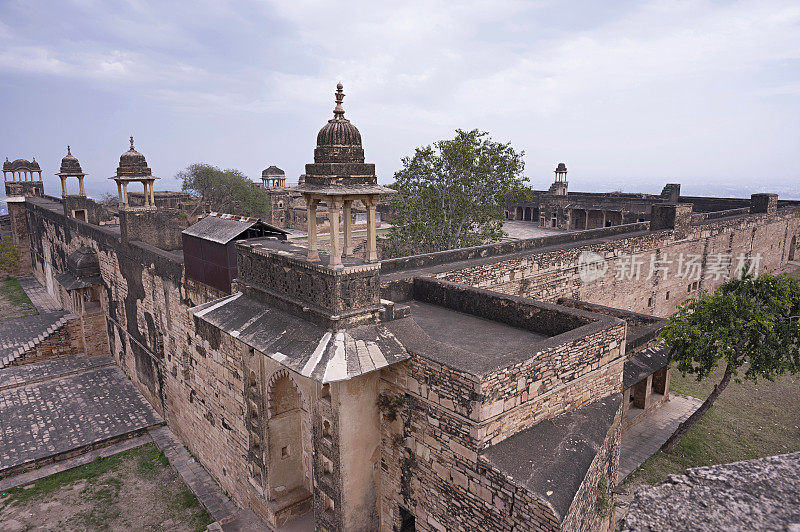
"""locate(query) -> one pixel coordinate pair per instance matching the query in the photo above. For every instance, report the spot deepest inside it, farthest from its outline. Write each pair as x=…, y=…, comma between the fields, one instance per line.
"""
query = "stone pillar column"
x=80, y=186
x=604, y=219
x=586, y=223
x=152, y=194
x=63, y=186
x=372, y=247
x=125, y=193
x=348, y=228
x=146, y=194
x=311, y=215
x=335, y=260
x=642, y=392
x=119, y=193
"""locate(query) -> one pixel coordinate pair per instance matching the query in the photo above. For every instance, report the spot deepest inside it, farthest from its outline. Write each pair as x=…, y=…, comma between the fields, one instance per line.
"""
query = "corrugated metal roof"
x=223, y=228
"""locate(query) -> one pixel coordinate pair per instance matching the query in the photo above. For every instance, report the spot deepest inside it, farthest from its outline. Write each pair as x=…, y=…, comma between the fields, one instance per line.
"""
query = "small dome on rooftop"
x=339, y=131
x=133, y=164
x=21, y=165
x=561, y=167
x=272, y=170
x=83, y=262
x=70, y=164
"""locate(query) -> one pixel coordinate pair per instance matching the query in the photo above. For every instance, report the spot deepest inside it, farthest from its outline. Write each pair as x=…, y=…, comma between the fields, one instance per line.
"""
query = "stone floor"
x=646, y=437
x=38, y=295
x=519, y=230
x=57, y=413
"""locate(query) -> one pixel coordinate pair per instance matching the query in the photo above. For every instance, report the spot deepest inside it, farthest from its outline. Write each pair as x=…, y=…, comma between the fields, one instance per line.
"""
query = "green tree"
x=225, y=190
x=451, y=194
x=9, y=256
x=749, y=325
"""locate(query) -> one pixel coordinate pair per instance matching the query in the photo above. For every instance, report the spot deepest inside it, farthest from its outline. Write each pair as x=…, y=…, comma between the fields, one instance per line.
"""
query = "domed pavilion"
x=339, y=176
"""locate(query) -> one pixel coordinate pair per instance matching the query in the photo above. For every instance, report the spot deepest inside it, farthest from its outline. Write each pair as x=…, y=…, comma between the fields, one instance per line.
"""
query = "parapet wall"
x=493, y=250
x=716, y=249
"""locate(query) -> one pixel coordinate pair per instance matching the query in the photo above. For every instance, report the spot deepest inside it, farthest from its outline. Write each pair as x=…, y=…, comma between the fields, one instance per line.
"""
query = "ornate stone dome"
x=561, y=167
x=21, y=165
x=83, y=262
x=133, y=164
x=272, y=171
x=339, y=141
x=70, y=164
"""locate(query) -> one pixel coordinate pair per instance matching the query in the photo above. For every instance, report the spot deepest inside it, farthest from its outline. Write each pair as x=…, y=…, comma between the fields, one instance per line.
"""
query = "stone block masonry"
x=715, y=246
x=430, y=460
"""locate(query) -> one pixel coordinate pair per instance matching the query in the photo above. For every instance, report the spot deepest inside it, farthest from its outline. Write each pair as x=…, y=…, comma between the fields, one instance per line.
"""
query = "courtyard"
x=135, y=489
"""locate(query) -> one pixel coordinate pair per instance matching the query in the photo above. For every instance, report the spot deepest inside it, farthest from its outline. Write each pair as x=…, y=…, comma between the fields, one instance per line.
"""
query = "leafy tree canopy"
x=750, y=325
x=451, y=194
x=225, y=190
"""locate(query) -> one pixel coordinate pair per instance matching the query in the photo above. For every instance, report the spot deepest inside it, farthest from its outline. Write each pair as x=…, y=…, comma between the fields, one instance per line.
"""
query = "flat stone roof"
x=463, y=341
x=551, y=458
x=646, y=362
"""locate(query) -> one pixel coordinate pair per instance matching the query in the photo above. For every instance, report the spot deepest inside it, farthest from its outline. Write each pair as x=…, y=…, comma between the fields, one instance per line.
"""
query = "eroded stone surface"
x=762, y=494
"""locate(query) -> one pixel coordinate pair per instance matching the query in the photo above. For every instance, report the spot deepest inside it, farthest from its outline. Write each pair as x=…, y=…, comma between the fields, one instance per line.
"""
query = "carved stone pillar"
x=311, y=221
x=372, y=246
x=334, y=204
x=348, y=228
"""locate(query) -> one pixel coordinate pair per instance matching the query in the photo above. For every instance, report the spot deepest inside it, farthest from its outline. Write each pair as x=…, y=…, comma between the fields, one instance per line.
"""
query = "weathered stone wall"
x=159, y=228
x=431, y=468
x=553, y=274
x=193, y=379
x=19, y=236
x=95, y=213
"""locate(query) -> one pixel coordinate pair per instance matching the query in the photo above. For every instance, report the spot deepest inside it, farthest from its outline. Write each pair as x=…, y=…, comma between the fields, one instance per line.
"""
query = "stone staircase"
x=20, y=336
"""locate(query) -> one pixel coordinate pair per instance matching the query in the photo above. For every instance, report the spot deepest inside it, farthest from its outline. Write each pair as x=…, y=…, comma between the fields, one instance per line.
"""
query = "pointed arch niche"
x=288, y=454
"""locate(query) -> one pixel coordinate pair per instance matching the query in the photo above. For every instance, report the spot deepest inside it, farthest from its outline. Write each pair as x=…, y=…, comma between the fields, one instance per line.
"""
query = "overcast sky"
x=629, y=94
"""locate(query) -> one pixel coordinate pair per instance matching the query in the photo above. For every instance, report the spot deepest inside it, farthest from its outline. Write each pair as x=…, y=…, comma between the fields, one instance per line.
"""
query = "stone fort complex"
x=485, y=388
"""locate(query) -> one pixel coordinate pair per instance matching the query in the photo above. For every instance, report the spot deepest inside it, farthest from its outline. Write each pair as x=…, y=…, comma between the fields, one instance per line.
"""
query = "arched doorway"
x=287, y=469
x=527, y=217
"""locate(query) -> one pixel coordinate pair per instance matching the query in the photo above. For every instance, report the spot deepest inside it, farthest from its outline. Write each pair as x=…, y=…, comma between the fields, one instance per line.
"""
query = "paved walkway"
x=52, y=418
x=519, y=230
x=39, y=295
x=646, y=437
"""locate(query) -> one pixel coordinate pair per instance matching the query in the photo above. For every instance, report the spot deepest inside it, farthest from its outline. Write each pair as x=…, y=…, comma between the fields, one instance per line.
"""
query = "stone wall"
x=550, y=275
x=432, y=469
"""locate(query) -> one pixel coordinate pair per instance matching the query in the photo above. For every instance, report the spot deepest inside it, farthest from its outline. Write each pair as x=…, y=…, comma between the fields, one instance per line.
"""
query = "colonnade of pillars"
x=149, y=194
x=23, y=175
x=345, y=204
x=81, y=191
x=580, y=218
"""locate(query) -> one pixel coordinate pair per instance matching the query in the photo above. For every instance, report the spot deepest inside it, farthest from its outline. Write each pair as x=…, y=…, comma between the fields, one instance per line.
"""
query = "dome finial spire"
x=338, y=112
x=68, y=152
x=132, y=143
